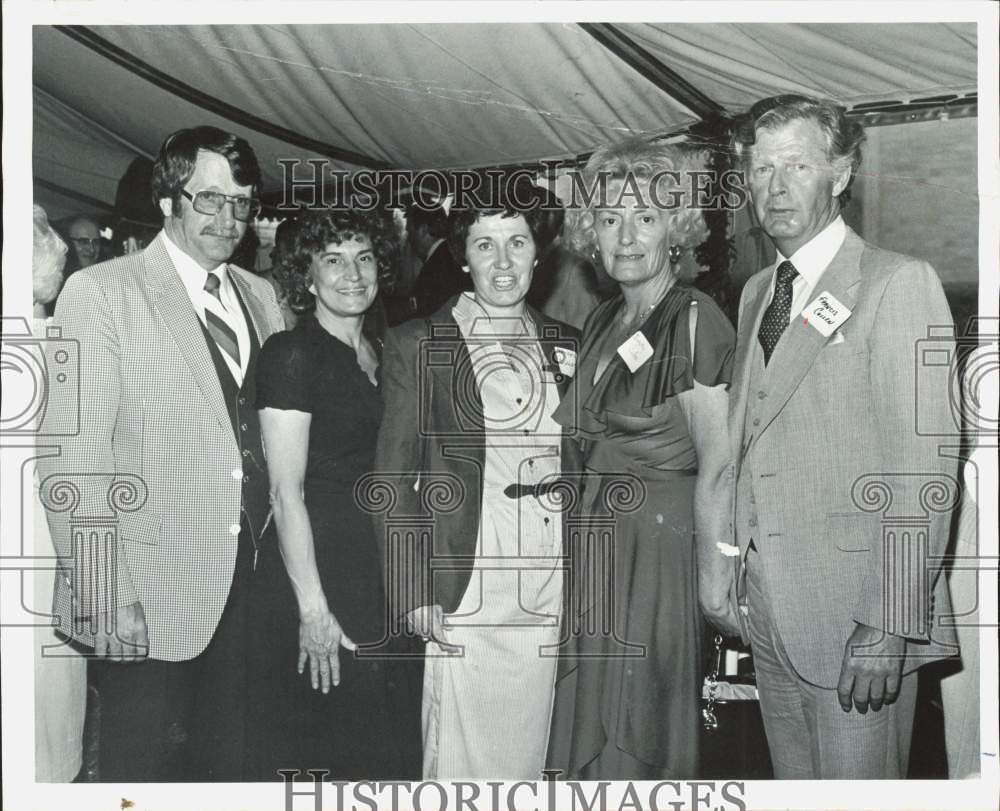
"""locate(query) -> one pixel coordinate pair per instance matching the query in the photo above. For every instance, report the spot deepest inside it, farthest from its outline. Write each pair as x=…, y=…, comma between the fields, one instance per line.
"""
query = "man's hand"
x=428, y=621
x=872, y=669
x=123, y=637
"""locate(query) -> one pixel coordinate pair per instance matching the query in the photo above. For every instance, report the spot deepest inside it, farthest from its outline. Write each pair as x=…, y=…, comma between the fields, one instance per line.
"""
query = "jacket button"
x=761, y=395
x=756, y=420
x=234, y=529
x=246, y=479
x=237, y=473
x=246, y=452
x=753, y=522
x=242, y=401
x=243, y=426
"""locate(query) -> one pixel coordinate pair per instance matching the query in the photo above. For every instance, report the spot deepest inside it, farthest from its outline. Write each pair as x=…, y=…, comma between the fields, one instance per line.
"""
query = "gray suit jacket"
x=146, y=495
x=847, y=504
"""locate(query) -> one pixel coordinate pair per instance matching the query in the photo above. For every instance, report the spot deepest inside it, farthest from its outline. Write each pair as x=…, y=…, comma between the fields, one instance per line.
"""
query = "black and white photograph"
x=500, y=406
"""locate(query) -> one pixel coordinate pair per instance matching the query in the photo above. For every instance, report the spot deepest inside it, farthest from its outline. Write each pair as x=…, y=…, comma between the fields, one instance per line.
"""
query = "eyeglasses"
x=211, y=203
x=86, y=241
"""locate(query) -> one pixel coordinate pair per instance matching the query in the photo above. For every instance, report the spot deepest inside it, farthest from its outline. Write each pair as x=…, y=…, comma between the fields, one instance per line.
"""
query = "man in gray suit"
x=168, y=448
x=837, y=605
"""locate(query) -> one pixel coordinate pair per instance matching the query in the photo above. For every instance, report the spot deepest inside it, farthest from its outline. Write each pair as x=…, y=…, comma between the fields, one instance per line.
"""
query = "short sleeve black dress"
x=368, y=726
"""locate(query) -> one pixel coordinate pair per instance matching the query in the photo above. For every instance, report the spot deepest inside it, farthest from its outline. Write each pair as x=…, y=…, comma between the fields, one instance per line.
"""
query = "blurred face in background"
x=85, y=237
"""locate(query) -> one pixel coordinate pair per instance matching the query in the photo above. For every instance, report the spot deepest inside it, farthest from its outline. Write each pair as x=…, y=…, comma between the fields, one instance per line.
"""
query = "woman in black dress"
x=319, y=589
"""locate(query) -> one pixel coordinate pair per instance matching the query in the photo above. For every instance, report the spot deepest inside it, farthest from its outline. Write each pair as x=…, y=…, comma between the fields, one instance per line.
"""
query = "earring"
x=312, y=288
x=595, y=257
x=674, y=254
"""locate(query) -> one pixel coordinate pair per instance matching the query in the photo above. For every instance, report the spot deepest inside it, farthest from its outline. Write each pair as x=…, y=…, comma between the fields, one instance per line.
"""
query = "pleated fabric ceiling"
x=447, y=96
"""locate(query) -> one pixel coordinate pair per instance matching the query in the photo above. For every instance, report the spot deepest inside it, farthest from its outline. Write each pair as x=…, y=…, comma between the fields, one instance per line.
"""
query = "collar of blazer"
x=171, y=300
x=799, y=345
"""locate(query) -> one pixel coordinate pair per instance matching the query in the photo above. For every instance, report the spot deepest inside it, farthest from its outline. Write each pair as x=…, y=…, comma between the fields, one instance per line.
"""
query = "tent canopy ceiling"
x=449, y=96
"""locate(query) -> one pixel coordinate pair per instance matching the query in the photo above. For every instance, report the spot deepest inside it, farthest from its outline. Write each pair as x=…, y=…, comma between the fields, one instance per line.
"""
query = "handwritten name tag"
x=635, y=351
x=565, y=359
x=825, y=313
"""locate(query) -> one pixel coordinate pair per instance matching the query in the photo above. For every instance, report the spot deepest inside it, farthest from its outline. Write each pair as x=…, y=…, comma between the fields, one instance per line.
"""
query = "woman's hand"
x=427, y=621
x=320, y=639
x=717, y=606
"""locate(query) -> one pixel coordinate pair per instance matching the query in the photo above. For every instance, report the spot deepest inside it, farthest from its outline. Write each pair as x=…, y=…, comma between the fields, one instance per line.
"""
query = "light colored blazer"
x=155, y=456
x=814, y=435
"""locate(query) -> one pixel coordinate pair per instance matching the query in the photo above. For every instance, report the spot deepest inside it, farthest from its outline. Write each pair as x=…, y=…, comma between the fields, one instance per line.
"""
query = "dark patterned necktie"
x=776, y=315
x=223, y=334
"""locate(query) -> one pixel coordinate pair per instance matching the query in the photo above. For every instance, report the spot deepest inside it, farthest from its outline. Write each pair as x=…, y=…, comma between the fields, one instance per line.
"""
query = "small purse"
x=730, y=677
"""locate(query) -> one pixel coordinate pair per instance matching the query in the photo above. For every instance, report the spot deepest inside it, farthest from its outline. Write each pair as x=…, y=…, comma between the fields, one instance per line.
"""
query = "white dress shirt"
x=193, y=278
x=810, y=261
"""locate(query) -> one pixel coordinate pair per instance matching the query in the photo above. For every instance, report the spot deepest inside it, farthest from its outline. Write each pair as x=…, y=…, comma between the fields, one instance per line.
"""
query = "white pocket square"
x=836, y=338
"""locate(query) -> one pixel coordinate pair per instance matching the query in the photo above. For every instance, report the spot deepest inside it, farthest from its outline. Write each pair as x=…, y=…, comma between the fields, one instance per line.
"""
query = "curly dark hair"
x=514, y=194
x=318, y=228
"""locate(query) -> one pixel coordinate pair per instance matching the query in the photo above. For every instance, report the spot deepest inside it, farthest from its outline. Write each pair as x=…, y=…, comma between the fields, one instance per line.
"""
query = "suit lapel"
x=173, y=304
x=745, y=340
x=801, y=342
x=258, y=315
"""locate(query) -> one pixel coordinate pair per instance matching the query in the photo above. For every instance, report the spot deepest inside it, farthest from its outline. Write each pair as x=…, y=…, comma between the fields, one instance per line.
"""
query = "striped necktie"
x=775, y=319
x=223, y=334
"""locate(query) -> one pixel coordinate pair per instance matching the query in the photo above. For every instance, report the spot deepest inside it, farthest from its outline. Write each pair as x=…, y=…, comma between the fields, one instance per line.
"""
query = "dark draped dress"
x=369, y=725
x=627, y=695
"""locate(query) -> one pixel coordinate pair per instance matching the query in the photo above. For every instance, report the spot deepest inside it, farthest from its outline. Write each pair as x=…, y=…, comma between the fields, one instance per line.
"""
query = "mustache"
x=216, y=232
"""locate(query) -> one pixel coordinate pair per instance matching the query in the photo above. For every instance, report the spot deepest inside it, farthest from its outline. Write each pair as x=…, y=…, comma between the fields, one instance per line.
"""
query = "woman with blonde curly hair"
x=654, y=366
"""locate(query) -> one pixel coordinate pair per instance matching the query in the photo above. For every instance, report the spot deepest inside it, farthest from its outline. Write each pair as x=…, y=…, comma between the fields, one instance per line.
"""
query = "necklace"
x=631, y=326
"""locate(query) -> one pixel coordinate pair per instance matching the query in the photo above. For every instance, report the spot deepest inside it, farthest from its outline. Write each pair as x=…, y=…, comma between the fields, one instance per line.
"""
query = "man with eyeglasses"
x=168, y=455
x=85, y=239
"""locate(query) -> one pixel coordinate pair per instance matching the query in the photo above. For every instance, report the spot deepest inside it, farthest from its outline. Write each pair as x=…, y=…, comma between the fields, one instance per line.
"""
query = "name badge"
x=635, y=351
x=565, y=359
x=825, y=314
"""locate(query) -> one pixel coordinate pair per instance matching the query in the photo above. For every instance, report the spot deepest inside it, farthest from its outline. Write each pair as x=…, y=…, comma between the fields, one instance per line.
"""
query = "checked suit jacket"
x=814, y=433
x=156, y=457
